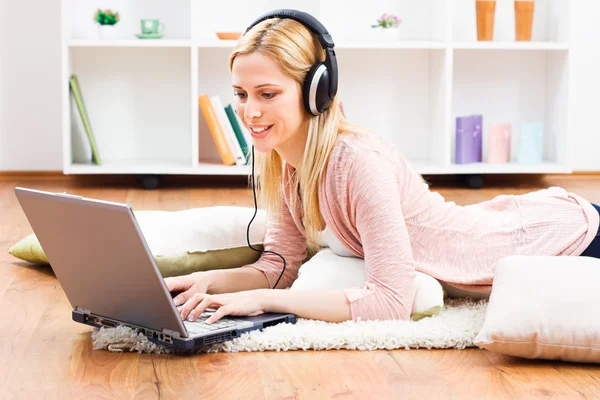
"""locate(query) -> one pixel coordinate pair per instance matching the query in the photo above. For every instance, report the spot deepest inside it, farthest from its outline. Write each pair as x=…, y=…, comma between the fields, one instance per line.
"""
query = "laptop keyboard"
x=200, y=325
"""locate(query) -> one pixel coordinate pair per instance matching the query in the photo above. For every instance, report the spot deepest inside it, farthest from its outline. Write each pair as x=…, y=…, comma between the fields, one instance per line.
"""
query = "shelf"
x=129, y=43
x=142, y=95
x=483, y=45
x=508, y=168
x=355, y=44
x=133, y=166
x=176, y=167
x=206, y=168
x=396, y=44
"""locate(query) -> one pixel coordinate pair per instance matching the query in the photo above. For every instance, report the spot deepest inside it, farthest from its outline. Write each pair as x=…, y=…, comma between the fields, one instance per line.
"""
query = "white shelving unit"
x=141, y=95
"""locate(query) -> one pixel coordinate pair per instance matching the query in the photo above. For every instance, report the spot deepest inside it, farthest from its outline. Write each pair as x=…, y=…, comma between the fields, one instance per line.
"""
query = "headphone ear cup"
x=323, y=100
x=308, y=83
x=315, y=92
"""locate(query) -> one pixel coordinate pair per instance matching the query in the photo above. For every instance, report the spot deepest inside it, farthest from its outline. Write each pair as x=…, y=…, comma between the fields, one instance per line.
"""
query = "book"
x=236, y=150
x=245, y=133
x=75, y=89
x=235, y=124
x=215, y=129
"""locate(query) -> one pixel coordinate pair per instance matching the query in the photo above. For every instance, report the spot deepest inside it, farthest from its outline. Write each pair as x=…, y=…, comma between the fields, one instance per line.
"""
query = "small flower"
x=387, y=21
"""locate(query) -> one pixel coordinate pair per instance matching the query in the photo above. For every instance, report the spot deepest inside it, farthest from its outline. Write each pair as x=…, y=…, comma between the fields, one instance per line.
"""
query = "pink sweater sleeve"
x=376, y=209
x=282, y=237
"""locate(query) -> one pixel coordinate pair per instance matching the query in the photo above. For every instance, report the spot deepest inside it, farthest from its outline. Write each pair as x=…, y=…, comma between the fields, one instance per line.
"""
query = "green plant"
x=387, y=21
x=106, y=17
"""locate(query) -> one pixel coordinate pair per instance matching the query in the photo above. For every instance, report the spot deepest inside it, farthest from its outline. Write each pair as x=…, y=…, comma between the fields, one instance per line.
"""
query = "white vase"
x=389, y=34
x=108, y=32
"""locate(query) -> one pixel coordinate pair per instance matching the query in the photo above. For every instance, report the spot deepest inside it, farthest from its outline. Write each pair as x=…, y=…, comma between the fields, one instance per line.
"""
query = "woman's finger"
x=182, y=298
x=199, y=309
x=177, y=283
x=189, y=305
x=220, y=313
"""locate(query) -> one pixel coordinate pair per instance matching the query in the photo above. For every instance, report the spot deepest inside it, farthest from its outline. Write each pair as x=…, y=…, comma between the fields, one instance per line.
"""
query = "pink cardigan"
x=382, y=211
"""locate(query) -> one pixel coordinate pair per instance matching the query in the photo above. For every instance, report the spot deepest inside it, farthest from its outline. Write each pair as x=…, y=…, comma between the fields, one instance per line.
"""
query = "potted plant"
x=107, y=21
x=388, y=25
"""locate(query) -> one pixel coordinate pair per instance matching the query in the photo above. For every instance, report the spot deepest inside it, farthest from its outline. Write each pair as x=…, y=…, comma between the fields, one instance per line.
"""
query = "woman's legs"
x=593, y=250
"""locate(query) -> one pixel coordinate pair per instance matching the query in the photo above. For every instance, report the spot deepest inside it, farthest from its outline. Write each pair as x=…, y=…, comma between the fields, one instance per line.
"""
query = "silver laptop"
x=100, y=257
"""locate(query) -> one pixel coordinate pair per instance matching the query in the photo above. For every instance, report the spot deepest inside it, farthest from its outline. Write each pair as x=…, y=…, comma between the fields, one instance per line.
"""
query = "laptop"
x=100, y=257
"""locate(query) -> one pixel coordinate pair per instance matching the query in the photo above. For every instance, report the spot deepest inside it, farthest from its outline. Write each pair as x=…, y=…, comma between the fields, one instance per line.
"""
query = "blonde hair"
x=295, y=50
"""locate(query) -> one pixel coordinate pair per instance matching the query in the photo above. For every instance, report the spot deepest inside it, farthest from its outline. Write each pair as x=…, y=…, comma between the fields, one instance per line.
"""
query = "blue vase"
x=531, y=143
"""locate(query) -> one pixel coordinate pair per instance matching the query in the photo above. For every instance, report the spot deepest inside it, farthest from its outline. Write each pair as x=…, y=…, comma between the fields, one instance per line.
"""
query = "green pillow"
x=204, y=261
x=30, y=250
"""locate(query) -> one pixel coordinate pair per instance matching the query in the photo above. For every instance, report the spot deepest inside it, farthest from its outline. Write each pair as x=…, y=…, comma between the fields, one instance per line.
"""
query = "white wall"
x=30, y=98
x=584, y=148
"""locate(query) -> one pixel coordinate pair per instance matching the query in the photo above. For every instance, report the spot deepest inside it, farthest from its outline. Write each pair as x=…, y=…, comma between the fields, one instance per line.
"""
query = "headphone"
x=321, y=82
x=319, y=89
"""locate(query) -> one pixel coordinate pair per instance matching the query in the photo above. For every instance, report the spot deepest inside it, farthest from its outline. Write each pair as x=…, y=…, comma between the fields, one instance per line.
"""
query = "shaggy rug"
x=456, y=326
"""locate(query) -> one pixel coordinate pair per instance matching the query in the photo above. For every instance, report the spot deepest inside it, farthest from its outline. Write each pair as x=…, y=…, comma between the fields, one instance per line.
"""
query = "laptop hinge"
x=171, y=333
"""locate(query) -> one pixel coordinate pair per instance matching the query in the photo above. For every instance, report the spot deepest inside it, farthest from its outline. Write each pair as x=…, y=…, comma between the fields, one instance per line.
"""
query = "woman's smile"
x=260, y=132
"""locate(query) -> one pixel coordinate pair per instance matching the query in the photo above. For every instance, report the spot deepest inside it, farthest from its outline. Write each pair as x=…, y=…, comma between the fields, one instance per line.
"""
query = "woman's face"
x=270, y=104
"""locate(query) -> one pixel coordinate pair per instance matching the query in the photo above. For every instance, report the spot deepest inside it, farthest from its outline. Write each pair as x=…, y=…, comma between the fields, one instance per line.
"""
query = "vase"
x=523, y=19
x=531, y=143
x=486, y=10
x=108, y=32
x=389, y=34
x=468, y=139
x=499, y=144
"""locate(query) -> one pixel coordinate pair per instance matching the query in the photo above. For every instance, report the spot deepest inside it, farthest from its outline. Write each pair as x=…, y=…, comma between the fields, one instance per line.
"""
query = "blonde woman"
x=324, y=181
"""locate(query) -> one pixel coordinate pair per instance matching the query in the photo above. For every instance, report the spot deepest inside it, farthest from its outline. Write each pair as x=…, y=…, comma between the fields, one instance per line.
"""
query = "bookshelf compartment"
x=550, y=21
x=214, y=79
x=514, y=87
x=174, y=14
x=137, y=101
x=400, y=95
x=236, y=15
x=423, y=20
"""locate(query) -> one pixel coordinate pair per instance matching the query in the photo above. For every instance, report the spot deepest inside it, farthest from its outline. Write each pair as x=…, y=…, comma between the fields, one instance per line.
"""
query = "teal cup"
x=152, y=26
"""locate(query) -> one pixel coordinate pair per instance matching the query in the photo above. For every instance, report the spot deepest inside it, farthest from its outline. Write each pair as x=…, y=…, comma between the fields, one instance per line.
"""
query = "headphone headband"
x=317, y=99
x=305, y=19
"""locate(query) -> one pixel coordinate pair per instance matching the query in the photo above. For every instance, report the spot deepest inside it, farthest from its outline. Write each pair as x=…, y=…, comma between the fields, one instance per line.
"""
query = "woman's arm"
x=325, y=305
x=236, y=280
x=374, y=194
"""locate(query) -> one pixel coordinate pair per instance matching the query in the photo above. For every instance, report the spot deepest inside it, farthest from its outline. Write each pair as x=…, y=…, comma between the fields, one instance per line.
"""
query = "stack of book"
x=229, y=133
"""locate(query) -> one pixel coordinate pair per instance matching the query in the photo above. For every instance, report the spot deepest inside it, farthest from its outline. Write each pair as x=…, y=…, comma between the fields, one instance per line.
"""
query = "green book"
x=76, y=90
x=238, y=131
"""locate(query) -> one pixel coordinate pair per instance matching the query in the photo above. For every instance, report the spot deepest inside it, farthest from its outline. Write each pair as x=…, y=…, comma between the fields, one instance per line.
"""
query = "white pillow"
x=171, y=233
x=327, y=270
x=544, y=308
x=186, y=241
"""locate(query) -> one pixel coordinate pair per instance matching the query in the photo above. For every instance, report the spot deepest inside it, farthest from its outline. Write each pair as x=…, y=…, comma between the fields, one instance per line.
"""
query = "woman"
x=322, y=177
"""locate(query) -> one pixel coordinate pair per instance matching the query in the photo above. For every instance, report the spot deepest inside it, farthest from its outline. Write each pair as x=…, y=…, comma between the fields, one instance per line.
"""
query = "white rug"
x=456, y=326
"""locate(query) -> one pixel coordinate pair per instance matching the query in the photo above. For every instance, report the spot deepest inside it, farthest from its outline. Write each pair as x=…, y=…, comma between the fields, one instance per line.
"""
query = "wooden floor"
x=43, y=354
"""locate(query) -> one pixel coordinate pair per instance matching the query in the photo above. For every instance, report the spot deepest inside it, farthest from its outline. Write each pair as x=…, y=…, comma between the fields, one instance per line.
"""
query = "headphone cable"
x=248, y=230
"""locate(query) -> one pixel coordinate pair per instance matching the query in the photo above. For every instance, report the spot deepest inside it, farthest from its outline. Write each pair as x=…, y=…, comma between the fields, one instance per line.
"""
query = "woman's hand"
x=189, y=285
x=246, y=303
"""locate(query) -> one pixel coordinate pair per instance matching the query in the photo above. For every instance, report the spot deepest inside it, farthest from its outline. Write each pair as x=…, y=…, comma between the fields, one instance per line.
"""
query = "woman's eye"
x=269, y=95
x=240, y=95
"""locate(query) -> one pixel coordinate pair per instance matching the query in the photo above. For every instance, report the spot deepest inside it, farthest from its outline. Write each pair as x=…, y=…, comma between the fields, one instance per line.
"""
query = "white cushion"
x=544, y=308
x=327, y=270
x=186, y=241
x=170, y=233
